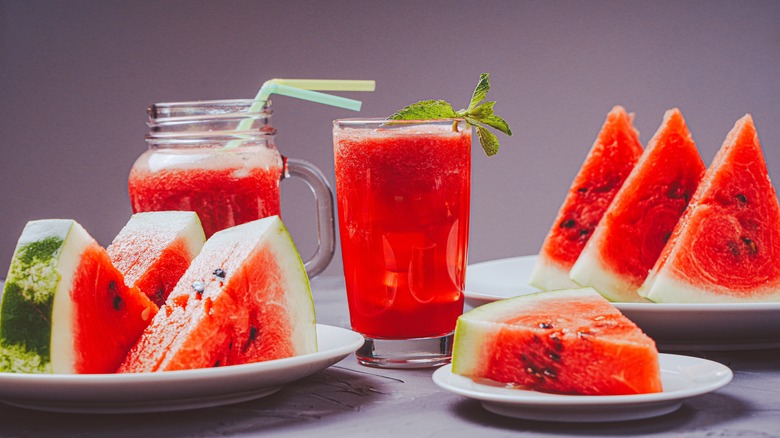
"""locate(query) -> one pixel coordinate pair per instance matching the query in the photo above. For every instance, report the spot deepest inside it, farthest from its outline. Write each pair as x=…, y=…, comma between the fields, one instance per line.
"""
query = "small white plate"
x=674, y=327
x=682, y=377
x=173, y=390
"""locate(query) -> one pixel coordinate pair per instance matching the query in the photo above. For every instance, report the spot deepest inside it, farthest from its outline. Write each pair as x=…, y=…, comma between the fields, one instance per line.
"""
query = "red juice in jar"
x=225, y=187
x=403, y=193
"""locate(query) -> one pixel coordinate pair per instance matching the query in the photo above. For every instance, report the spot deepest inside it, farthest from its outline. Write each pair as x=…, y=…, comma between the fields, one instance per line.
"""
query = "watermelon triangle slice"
x=155, y=248
x=636, y=226
x=245, y=298
x=65, y=307
x=567, y=341
x=726, y=247
x=607, y=165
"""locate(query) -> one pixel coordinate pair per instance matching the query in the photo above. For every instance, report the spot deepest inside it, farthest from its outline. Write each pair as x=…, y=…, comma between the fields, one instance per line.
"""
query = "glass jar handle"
x=326, y=231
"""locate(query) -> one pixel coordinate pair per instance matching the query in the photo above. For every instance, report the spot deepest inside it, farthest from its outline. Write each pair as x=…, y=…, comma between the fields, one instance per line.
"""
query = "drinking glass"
x=403, y=192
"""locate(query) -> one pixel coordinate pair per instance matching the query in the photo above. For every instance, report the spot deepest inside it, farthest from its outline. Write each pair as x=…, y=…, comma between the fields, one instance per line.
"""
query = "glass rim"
x=354, y=122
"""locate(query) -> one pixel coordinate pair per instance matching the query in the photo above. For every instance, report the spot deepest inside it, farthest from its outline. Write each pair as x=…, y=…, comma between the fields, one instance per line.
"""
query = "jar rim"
x=199, y=109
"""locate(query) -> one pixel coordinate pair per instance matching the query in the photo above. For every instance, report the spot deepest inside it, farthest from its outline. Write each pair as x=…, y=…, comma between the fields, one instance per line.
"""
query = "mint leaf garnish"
x=478, y=114
x=426, y=110
x=483, y=86
x=488, y=140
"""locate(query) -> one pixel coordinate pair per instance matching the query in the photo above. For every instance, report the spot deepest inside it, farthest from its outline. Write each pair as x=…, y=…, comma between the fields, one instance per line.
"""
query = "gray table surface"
x=348, y=400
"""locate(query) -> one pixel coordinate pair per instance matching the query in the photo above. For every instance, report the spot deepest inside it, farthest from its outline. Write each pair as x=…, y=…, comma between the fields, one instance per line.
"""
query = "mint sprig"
x=479, y=114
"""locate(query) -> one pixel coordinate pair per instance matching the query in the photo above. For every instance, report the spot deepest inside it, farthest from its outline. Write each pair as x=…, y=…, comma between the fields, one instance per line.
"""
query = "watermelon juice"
x=403, y=202
x=225, y=188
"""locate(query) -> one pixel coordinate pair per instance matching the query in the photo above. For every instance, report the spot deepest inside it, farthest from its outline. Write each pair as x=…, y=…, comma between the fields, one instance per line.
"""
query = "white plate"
x=173, y=390
x=679, y=327
x=682, y=377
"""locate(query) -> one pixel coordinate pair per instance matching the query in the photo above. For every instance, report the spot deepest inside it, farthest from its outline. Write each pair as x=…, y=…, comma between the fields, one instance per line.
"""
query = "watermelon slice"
x=606, y=167
x=155, y=248
x=65, y=307
x=245, y=298
x=570, y=342
x=638, y=223
x=726, y=247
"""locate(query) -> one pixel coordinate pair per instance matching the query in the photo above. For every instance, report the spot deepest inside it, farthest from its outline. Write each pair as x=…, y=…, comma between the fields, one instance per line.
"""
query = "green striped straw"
x=304, y=89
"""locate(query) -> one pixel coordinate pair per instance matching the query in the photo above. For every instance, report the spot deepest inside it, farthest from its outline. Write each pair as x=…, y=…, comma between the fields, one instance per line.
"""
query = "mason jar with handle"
x=201, y=158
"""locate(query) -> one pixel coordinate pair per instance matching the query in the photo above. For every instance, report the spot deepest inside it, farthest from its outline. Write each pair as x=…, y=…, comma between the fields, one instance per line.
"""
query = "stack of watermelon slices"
x=70, y=306
x=677, y=232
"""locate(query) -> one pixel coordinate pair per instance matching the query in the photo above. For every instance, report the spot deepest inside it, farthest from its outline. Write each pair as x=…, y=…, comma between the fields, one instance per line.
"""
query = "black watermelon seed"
x=545, y=325
x=568, y=223
x=750, y=244
x=741, y=198
x=252, y=337
x=219, y=273
x=117, y=302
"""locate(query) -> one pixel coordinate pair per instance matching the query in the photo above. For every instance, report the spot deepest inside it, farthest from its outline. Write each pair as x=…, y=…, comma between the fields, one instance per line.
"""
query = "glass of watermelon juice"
x=403, y=193
x=197, y=160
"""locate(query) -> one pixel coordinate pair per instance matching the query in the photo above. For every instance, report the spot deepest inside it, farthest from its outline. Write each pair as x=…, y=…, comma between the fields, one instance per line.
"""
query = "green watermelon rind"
x=35, y=318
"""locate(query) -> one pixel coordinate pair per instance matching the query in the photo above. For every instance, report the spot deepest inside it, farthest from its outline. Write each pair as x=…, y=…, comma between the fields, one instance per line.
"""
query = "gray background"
x=77, y=76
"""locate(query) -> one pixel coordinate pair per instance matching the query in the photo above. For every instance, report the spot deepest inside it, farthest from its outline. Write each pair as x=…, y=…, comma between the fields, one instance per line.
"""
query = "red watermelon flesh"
x=726, y=247
x=154, y=249
x=630, y=237
x=609, y=162
x=568, y=341
x=108, y=316
x=245, y=298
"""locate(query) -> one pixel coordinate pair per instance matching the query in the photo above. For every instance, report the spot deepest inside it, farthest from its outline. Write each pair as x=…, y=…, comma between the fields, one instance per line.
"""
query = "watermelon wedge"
x=245, y=298
x=65, y=307
x=607, y=165
x=155, y=248
x=726, y=247
x=630, y=237
x=570, y=342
